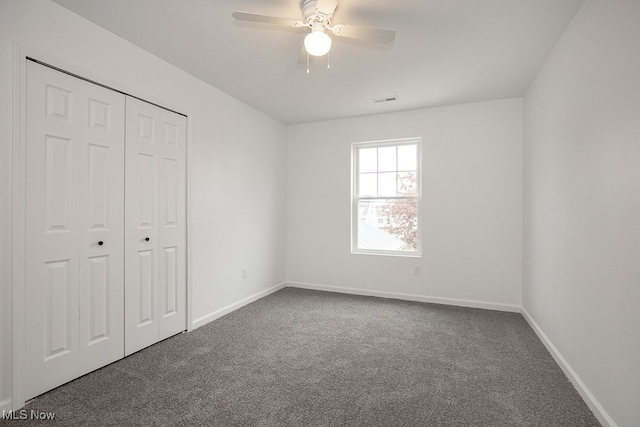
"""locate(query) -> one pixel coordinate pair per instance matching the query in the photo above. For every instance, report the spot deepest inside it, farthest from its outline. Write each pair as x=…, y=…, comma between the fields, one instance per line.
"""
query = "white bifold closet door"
x=105, y=234
x=155, y=247
x=74, y=291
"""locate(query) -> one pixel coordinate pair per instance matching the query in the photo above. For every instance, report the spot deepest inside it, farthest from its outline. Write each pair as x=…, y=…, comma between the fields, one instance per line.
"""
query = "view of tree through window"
x=386, y=197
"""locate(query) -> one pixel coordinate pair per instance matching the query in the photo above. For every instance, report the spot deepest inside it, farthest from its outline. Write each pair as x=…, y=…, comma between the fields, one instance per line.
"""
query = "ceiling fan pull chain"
x=328, y=60
x=307, y=62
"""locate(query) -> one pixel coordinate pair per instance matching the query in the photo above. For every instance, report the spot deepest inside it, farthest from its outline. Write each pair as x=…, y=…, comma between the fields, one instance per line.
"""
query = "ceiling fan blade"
x=251, y=17
x=327, y=6
x=376, y=35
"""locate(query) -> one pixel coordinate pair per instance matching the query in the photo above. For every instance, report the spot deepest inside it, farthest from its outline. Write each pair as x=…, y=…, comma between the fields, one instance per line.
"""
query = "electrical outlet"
x=417, y=271
x=244, y=272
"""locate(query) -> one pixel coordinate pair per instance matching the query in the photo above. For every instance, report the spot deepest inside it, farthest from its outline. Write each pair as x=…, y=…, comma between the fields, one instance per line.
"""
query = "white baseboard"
x=236, y=305
x=409, y=297
x=5, y=406
x=582, y=389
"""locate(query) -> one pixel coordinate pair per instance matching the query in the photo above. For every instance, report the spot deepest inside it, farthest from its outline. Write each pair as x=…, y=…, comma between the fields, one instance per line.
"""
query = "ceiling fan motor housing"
x=308, y=9
x=311, y=13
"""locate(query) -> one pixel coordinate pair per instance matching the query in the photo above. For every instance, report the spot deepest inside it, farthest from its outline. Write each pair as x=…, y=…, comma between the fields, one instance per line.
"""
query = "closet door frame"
x=21, y=55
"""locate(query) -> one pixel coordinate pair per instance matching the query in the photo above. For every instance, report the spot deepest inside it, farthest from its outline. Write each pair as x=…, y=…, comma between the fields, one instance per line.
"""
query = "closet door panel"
x=172, y=225
x=141, y=224
x=102, y=228
x=52, y=153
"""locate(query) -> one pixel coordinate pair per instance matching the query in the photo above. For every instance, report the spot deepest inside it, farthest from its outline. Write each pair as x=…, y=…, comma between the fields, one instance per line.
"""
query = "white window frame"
x=355, y=198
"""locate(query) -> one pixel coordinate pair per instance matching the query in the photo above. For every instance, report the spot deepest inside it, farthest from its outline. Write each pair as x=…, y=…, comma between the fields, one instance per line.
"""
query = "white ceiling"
x=445, y=51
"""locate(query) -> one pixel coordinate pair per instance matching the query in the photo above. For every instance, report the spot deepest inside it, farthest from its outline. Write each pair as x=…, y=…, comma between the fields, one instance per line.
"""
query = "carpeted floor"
x=309, y=358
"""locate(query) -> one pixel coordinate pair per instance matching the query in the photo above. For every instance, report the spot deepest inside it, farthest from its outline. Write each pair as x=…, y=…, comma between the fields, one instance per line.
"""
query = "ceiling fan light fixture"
x=317, y=42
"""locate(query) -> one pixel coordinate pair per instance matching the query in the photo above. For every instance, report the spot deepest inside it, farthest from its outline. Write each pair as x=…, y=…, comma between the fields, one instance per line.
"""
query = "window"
x=386, y=198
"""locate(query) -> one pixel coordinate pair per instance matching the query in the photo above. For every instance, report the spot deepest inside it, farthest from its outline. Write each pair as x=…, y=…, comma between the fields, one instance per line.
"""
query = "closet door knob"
x=101, y=243
x=146, y=239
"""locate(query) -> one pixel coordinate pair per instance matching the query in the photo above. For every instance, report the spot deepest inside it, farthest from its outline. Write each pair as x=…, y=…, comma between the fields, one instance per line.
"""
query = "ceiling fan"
x=317, y=16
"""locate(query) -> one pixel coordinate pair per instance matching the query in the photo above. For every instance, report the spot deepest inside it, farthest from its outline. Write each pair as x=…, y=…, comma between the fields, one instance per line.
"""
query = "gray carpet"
x=309, y=358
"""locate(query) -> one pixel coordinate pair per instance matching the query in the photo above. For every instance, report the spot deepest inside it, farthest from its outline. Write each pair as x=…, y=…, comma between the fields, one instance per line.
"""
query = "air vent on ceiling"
x=385, y=99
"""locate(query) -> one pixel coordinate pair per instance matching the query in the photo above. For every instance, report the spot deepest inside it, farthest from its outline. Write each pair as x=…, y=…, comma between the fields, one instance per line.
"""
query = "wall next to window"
x=472, y=206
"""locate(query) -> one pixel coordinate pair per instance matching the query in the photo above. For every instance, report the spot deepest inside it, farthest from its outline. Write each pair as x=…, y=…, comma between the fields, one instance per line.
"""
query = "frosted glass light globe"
x=317, y=43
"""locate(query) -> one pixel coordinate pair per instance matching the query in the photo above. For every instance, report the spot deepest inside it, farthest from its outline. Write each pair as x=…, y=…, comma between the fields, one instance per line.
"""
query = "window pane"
x=387, y=184
x=368, y=159
x=368, y=184
x=407, y=184
x=387, y=159
x=388, y=225
x=367, y=212
x=407, y=155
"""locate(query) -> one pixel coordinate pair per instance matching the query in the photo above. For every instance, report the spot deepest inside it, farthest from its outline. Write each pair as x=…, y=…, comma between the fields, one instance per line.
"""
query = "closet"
x=105, y=222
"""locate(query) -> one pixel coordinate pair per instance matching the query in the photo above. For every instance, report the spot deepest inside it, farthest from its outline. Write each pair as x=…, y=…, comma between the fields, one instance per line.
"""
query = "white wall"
x=472, y=201
x=582, y=204
x=237, y=158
